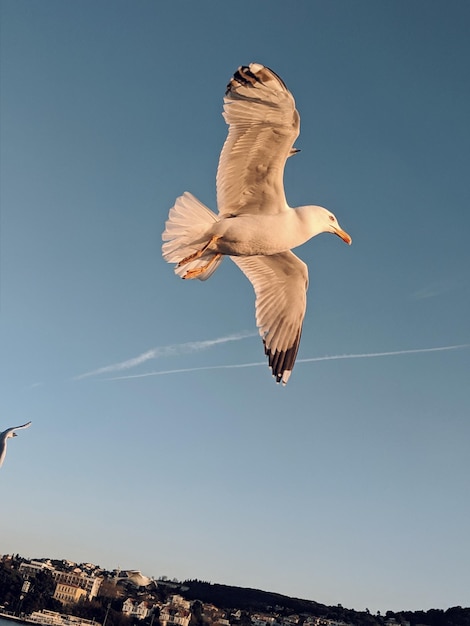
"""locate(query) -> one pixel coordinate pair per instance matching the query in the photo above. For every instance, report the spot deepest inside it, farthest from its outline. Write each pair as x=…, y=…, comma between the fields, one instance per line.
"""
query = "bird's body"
x=135, y=577
x=255, y=225
x=251, y=235
x=7, y=434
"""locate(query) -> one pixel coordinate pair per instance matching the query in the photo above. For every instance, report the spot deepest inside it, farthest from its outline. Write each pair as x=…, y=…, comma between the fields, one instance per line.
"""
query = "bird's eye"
x=332, y=218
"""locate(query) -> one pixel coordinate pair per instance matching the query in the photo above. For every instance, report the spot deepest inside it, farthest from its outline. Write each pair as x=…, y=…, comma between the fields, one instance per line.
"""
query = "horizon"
x=165, y=579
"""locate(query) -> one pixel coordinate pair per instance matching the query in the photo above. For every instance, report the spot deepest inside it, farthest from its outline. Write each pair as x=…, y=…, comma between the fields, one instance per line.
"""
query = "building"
x=263, y=619
x=34, y=567
x=174, y=616
x=140, y=610
x=215, y=616
x=68, y=594
x=179, y=601
x=51, y=618
x=90, y=584
x=76, y=578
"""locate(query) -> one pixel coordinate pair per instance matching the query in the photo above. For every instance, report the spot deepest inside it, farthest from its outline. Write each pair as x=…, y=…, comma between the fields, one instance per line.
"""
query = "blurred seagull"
x=9, y=432
x=136, y=578
x=255, y=226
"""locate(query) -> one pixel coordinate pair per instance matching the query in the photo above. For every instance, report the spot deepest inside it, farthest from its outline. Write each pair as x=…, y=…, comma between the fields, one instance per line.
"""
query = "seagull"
x=9, y=432
x=136, y=578
x=255, y=226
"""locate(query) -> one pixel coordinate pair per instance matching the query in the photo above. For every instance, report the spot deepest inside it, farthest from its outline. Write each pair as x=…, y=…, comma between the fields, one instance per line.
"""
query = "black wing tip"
x=282, y=362
x=247, y=76
x=243, y=76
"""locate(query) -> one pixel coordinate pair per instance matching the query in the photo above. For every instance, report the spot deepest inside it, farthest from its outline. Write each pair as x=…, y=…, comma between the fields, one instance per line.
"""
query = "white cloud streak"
x=165, y=351
x=431, y=291
x=367, y=355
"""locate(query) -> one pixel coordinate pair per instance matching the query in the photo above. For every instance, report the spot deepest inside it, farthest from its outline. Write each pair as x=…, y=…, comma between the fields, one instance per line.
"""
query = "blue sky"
x=350, y=485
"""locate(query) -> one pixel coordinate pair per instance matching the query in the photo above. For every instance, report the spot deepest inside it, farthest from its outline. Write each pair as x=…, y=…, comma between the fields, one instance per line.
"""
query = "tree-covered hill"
x=244, y=598
x=251, y=600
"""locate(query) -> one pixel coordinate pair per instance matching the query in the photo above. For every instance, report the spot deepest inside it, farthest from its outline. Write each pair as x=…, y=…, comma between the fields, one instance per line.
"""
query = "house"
x=177, y=600
x=174, y=615
x=291, y=620
x=262, y=619
x=215, y=616
x=68, y=594
x=139, y=610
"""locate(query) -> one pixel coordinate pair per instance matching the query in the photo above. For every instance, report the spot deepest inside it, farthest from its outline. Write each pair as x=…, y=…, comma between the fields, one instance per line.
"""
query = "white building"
x=262, y=620
x=51, y=618
x=177, y=600
x=177, y=612
x=34, y=567
x=140, y=610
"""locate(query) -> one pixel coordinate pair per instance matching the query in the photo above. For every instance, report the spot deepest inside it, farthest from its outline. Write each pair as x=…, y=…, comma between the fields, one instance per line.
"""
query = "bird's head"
x=334, y=227
x=319, y=220
x=12, y=434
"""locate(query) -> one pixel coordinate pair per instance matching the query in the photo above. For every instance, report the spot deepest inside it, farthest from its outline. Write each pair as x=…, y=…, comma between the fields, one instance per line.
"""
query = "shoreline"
x=49, y=618
x=15, y=618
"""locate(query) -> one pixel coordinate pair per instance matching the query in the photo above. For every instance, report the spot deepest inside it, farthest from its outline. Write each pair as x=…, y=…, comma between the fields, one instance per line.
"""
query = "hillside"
x=250, y=600
x=239, y=606
x=247, y=599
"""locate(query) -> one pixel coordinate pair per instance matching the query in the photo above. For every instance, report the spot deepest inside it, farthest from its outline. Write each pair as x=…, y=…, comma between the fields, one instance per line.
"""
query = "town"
x=63, y=593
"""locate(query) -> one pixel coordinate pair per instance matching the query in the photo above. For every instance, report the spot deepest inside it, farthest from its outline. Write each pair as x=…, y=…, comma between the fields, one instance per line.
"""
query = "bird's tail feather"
x=186, y=232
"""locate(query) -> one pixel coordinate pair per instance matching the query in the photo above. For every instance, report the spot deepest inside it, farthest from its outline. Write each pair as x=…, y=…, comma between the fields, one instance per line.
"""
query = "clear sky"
x=350, y=485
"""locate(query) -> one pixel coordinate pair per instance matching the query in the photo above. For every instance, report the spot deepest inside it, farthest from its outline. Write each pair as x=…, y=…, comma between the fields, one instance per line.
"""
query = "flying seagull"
x=136, y=578
x=9, y=432
x=255, y=225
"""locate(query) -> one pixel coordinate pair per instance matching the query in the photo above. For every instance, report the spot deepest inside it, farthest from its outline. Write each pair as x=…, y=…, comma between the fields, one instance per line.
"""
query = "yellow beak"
x=344, y=235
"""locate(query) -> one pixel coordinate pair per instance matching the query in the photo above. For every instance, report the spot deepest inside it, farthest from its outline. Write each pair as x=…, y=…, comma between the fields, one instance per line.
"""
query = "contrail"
x=172, y=350
x=367, y=355
x=371, y=355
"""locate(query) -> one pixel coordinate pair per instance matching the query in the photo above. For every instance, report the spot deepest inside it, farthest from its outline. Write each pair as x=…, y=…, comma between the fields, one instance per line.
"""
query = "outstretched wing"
x=4, y=437
x=27, y=425
x=263, y=125
x=280, y=282
x=9, y=430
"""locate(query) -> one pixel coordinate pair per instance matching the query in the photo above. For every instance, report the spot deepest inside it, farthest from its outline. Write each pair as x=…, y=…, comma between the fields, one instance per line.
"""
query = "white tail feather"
x=186, y=232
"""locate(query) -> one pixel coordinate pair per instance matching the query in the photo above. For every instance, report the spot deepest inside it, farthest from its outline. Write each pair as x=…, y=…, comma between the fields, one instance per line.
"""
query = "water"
x=9, y=622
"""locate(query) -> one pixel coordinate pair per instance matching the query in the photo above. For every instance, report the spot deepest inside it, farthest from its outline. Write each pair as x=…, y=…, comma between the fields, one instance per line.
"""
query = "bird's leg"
x=200, y=270
x=198, y=253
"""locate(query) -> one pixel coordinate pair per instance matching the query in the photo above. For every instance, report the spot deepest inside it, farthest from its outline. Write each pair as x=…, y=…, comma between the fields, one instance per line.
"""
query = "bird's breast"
x=250, y=235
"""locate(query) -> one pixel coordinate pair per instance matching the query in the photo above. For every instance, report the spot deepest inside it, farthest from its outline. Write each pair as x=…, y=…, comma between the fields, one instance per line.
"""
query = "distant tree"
x=10, y=586
x=60, y=565
x=245, y=619
x=109, y=589
x=197, y=609
x=40, y=594
x=153, y=619
x=96, y=610
x=457, y=616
